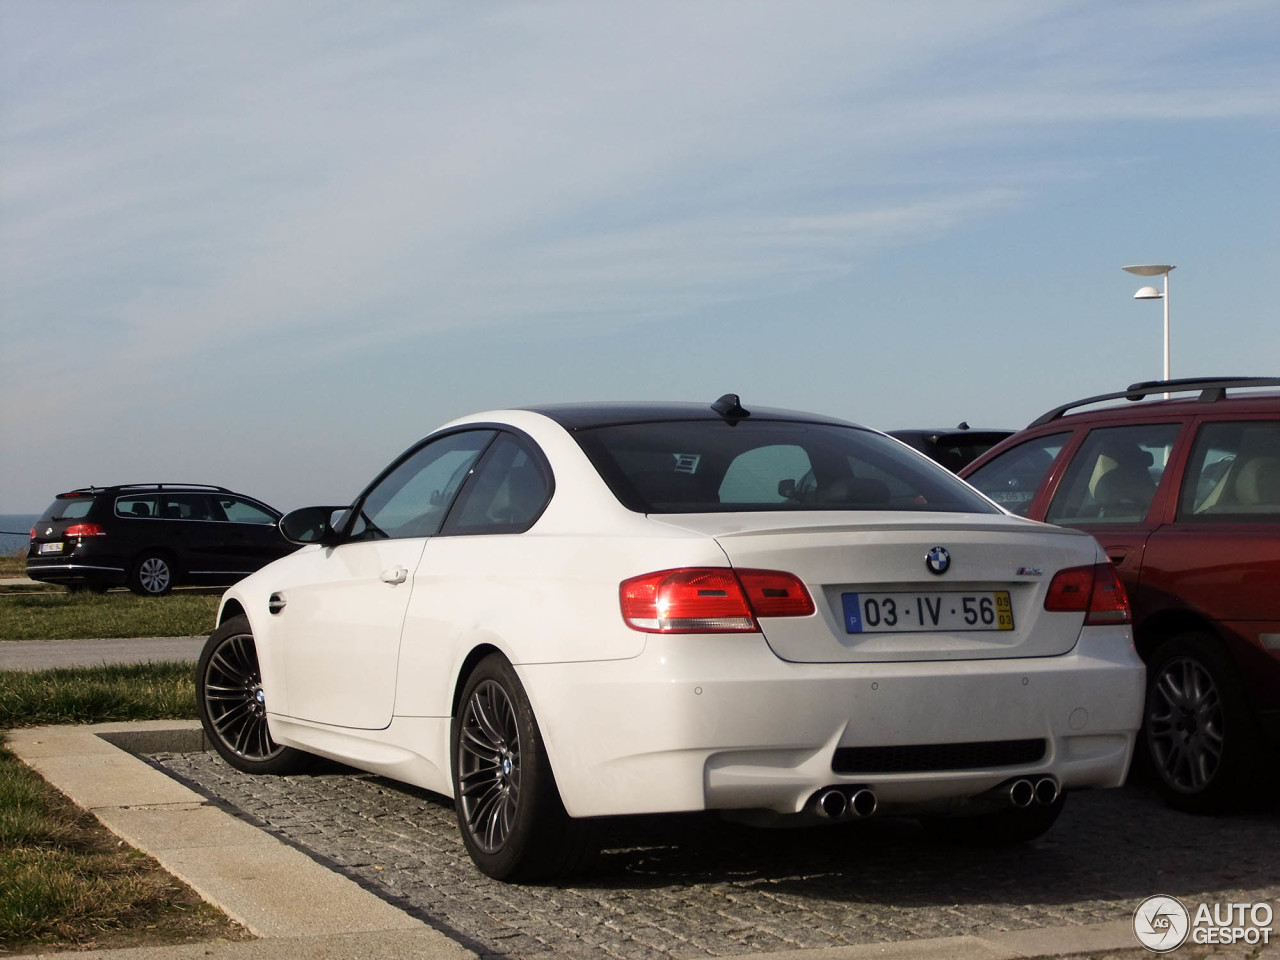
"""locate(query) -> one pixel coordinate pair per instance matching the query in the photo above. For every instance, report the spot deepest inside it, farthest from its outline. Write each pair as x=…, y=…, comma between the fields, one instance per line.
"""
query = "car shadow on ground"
x=1112, y=845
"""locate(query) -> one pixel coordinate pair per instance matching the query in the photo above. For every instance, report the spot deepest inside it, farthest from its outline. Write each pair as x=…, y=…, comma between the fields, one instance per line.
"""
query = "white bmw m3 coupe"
x=575, y=611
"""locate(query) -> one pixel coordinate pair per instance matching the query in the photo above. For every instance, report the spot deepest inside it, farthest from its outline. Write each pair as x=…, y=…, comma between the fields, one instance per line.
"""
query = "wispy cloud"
x=187, y=174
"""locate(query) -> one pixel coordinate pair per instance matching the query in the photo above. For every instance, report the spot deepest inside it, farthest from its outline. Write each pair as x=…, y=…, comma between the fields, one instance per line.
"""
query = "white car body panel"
x=885, y=552
x=367, y=671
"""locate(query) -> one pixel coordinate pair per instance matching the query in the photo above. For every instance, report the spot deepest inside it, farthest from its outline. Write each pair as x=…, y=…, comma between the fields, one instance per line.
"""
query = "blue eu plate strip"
x=852, y=612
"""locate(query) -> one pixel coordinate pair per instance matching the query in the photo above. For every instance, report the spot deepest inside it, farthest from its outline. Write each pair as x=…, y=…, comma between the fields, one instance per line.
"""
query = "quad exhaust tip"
x=1047, y=790
x=836, y=803
x=1023, y=792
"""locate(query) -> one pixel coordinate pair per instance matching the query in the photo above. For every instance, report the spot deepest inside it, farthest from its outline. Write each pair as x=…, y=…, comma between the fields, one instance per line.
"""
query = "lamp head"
x=1148, y=293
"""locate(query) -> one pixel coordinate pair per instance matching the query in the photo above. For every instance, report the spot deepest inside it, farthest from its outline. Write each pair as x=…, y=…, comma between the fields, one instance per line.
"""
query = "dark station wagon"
x=1183, y=494
x=153, y=536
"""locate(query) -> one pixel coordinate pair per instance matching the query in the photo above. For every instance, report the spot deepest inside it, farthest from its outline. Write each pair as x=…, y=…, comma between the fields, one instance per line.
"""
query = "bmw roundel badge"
x=938, y=560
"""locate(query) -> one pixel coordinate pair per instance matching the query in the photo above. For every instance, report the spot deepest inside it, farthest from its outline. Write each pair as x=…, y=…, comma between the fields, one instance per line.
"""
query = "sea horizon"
x=15, y=531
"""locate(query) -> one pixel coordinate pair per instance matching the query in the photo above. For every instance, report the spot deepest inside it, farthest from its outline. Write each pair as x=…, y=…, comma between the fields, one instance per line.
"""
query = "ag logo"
x=1161, y=923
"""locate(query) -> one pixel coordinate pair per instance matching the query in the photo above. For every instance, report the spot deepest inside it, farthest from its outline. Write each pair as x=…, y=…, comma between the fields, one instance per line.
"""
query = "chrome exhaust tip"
x=1047, y=790
x=863, y=803
x=1022, y=793
x=832, y=804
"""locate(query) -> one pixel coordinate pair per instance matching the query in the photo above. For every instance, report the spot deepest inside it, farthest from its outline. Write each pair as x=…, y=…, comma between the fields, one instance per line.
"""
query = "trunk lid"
x=877, y=599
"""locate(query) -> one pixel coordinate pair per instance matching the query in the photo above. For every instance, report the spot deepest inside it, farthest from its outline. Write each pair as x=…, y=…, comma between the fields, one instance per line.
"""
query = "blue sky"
x=270, y=244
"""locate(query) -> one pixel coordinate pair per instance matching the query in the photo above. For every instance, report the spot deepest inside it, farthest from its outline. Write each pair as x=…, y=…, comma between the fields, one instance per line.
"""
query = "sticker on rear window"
x=687, y=462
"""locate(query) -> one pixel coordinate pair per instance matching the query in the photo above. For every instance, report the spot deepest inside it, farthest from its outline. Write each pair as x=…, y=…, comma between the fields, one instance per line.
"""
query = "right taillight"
x=84, y=530
x=1095, y=591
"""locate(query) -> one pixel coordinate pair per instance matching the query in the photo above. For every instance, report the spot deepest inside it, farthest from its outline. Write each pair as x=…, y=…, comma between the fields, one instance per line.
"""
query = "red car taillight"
x=84, y=530
x=1095, y=591
x=711, y=600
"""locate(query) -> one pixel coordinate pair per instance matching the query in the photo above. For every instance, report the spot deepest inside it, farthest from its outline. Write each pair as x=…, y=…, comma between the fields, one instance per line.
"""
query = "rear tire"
x=233, y=707
x=152, y=574
x=509, y=811
x=1200, y=737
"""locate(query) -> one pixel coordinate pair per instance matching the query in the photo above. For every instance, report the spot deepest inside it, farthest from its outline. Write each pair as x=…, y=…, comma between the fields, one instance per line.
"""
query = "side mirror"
x=314, y=525
x=787, y=488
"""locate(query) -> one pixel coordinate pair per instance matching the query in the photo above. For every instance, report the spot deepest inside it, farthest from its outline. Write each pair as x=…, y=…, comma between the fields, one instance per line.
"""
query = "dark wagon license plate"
x=916, y=612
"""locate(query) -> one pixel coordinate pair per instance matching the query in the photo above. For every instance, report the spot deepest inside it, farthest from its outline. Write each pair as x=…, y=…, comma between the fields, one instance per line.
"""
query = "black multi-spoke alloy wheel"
x=509, y=810
x=232, y=706
x=1200, y=738
x=152, y=575
x=1000, y=828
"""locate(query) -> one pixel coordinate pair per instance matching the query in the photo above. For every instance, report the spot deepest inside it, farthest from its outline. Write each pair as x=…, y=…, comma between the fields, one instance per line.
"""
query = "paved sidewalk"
x=300, y=909
x=48, y=654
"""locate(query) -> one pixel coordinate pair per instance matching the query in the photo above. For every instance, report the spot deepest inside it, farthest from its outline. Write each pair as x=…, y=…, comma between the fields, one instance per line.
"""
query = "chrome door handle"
x=395, y=575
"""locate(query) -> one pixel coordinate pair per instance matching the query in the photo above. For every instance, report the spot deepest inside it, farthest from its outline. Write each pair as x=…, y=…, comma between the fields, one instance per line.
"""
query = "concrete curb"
x=274, y=890
x=301, y=909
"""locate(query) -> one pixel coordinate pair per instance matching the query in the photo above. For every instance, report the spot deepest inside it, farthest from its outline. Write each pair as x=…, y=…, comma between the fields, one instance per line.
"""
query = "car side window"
x=184, y=506
x=1114, y=475
x=144, y=507
x=1013, y=478
x=413, y=499
x=506, y=493
x=1233, y=474
x=241, y=511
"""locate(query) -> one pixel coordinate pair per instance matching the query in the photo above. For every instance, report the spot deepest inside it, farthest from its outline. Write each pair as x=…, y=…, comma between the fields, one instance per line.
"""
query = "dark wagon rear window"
x=69, y=508
x=713, y=466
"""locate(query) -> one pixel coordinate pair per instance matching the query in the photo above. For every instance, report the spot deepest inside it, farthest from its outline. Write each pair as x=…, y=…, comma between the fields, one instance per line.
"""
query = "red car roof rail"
x=1211, y=389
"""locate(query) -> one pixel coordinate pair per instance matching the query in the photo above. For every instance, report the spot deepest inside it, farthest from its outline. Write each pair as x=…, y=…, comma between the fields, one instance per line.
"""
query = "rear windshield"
x=712, y=466
x=72, y=508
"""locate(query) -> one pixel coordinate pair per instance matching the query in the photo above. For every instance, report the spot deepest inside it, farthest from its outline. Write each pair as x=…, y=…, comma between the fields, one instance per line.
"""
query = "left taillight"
x=711, y=600
x=1095, y=591
x=84, y=530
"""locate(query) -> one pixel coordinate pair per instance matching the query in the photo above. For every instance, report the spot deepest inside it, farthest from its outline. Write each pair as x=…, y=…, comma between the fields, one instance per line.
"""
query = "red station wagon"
x=1183, y=493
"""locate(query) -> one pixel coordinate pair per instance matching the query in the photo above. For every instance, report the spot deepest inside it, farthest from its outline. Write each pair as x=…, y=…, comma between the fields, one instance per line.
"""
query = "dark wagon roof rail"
x=1211, y=389
x=122, y=487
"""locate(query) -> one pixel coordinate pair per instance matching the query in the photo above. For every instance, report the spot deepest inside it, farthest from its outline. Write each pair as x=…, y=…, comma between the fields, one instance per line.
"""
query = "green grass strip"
x=77, y=616
x=149, y=691
x=57, y=883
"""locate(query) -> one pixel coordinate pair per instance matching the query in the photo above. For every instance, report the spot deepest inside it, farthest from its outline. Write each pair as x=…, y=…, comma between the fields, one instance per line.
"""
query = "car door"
x=191, y=533
x=1115, y=489
x=481, y=569
x=1220, y=555
x=339, y=619
x=250, y=538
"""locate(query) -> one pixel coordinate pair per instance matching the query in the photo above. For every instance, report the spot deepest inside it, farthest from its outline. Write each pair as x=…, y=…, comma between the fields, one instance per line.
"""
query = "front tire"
x=152, y=575
x=233, y=707
x=1200, y=738
x=509, y=811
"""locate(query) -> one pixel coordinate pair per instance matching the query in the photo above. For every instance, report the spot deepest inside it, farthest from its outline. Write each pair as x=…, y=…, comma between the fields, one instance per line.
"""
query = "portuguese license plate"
x=917, y=612
x=51, y=547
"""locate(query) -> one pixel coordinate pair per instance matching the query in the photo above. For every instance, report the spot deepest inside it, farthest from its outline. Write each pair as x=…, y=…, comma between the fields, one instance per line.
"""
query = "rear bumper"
x=73, y=570
x=719, y=722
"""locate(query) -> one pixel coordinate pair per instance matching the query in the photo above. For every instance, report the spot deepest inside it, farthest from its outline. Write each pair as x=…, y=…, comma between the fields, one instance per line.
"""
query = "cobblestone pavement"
x=683, y=887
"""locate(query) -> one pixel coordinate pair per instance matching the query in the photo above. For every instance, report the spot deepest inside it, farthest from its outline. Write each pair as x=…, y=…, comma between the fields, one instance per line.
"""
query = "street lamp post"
x=1151, y=293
